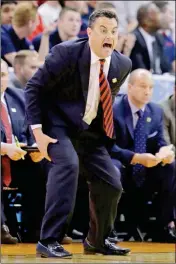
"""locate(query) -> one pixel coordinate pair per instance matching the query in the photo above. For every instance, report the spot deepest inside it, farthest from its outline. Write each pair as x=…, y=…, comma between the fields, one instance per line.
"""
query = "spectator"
x=148, y=51
x=26, y=63
x=49, y=12
x=69, y=24
x=167, y=18
x=13, y=37
x=82, y=8
x=7, y=10
x=24, y=174
x=141, y=151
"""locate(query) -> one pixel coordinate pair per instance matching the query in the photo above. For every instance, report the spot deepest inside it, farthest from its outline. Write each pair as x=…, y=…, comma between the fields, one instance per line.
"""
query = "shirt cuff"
x=36, y=126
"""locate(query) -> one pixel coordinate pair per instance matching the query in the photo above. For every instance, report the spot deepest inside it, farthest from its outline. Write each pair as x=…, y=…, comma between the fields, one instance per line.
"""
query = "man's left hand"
x=36, y=156
x=166, y=154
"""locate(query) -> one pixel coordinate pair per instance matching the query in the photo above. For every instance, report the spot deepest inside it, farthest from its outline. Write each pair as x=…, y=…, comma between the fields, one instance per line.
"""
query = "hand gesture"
x=166, y=154
x=146, y=159
x=14, y=152
x=43, y=141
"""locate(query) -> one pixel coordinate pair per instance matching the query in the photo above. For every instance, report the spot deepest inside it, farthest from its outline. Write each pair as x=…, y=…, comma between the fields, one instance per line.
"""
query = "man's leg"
x=105, y=192
x=60, y=190
x=166, y=183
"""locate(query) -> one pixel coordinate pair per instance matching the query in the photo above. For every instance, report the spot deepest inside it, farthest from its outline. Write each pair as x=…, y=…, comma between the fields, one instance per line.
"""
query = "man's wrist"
x=4, y=147
x=135, y=159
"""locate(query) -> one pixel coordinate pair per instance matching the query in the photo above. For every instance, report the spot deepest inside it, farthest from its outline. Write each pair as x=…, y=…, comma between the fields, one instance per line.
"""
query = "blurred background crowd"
x=29, y=29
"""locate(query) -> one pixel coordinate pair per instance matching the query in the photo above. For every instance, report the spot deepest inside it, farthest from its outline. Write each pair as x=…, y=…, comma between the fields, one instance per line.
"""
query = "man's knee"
x=118, y=186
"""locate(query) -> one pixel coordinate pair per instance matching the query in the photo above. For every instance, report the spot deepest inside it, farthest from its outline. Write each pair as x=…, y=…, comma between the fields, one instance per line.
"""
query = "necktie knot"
x=139, y=113
x=102, y=61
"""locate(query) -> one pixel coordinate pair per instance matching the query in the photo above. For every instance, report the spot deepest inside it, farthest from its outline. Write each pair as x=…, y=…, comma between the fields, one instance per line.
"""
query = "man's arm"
x=7, y=48
x=56, y=63
x=124, y=155
x=45, y=78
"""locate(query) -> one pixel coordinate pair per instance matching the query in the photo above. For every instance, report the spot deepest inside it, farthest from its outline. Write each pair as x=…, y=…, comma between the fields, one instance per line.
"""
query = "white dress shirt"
x=4, y=102
x=93, y=97
x=134, y=111
x=149, y=39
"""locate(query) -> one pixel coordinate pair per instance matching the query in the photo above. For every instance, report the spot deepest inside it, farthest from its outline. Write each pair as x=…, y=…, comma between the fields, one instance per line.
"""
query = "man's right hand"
x=14, y=152
x=43, y=141
x=146, y=159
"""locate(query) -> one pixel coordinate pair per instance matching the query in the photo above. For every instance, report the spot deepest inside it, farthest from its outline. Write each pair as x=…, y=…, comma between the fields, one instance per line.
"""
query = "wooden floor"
x=140, y=253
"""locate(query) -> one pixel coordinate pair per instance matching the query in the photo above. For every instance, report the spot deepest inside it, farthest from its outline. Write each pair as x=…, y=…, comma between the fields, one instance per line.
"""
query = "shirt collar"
x=146, y=35
x=134, y=109
x=95, y=58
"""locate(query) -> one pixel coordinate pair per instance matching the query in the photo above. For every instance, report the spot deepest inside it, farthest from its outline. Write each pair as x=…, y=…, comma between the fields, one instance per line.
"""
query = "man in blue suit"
x=16, y=171
x=141, y=153
x=69, y=105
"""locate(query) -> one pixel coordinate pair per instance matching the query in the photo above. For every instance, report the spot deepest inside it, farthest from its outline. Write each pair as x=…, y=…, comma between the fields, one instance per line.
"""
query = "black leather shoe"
x=166, y=235
x=52, y=250
x=107, y=249
x=113, y=237
x=170, y=235
x=6, y=237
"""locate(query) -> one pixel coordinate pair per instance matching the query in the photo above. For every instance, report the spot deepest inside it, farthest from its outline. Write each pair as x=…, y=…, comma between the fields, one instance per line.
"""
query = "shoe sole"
x=41, y=255
x=96, y=253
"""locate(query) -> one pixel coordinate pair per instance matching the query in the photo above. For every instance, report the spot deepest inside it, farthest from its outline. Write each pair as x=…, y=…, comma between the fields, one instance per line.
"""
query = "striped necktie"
x=106, y=101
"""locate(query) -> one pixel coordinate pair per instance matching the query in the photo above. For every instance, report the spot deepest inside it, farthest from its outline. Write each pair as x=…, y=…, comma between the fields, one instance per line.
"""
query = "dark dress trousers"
x=56, y=98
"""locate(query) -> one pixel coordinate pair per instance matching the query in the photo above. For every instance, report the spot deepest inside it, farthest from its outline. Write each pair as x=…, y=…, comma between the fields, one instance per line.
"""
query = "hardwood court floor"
x=140, y=253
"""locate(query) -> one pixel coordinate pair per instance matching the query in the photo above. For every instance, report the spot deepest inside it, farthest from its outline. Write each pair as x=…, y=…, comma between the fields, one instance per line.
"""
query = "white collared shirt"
x=149, y=39
x=4, y=102
x=135, y=109
x=93, y=97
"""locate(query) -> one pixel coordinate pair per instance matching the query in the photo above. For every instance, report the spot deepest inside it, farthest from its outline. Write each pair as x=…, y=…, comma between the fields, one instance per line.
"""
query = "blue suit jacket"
x=57, y=93
x=16, y=108
x=123, y=150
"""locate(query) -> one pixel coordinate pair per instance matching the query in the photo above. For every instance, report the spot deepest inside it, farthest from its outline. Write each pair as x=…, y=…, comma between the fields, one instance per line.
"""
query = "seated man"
x=14, y=36
x=18, y=170
x=145, y=160
x=13, y=152
x=26, y=63
x=169, y=120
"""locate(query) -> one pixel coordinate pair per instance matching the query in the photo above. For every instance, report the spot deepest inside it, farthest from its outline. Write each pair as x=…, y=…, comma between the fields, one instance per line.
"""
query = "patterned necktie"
x=106, y=101
x=139, y=147
x=6, y=172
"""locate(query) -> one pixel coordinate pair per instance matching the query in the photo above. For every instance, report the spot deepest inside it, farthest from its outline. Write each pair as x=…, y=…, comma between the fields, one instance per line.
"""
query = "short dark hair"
x=7, y=2
x=142, y=12
x=101, y=13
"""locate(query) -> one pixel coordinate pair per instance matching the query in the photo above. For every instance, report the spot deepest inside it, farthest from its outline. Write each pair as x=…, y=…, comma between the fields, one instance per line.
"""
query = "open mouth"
x=107, y=45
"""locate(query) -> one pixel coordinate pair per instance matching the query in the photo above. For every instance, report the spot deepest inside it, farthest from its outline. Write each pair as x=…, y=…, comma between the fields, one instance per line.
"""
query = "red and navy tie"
x=6, y=172
x=106, y=101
